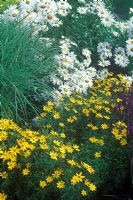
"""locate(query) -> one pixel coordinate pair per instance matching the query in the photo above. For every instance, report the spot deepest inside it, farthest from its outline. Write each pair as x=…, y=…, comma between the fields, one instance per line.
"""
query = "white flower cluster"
x=73, y=75
x=120, y=57
x=38, y=13
x=98, y=7
x=105, y=53
x=105, y=15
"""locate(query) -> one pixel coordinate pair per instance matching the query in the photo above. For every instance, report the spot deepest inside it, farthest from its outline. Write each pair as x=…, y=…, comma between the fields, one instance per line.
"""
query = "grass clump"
x=25, y=67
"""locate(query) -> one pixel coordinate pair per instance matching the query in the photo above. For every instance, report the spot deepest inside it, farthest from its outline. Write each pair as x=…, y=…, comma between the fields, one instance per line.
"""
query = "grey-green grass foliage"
x=25, y=67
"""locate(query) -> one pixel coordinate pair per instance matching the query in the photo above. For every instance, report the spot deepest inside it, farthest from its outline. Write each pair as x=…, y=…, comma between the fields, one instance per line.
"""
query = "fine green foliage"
x=5, y=3
x=25, y=68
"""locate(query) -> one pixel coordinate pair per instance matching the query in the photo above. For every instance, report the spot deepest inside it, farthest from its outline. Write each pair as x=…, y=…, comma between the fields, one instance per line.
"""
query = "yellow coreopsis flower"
x=104, y=126
x=83, y=193
x=53, y=155
x=11, y=165
x=70, y=119
x=77, y=178
x=3, y=136
x=123, y=142
x=60, y=184
x=25, y=172
x=63, y=135
x=42, y=184
x=56, y=115
x=3, y=196
x=57, y=173
x=49, y=179
x=3, y=175
x=61, y=124
x=98, y=154
x=92, y=187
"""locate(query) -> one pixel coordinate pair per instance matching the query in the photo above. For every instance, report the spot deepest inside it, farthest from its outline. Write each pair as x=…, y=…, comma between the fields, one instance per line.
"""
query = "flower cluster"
x=49, y=158
x=105, y=53
x=95, y=111
x=120, y=132
x=20, y=147
x=73, y=75
x=38, y=13
x=116, y=29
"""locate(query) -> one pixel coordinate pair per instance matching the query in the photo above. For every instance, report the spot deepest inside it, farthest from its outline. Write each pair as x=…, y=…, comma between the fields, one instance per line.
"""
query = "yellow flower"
x=77, y=178
x=70, y=119
x=63, y=135
x=104, y=126
x=118, y=100
x=53, y=155
x=25, y=172
x=43, y=114
x=61, y=124
x=76, y=147
x=69, y=149
x=54, y=133
x=94, y=128
x=100, y=142
x=44, y=146
x=99, y=115
x=57, y=173
x=3, y=196
x=27, y=153
x=107, y=117
x=87, y=182
x=56, y=115
x=11, y=165
x=50, y=103
x=60, y=184
x=42, y=139
x=98, y=154
x=123, y=142
x=92, y=187
x=49, y=179
x=93, y=139
x=72, y=100
x=88, y=168
x=86, y=112
x=3, y=135
x=3, y=175
x=43, y=184
x=83, y=193
x=56, y=142
x=72, y=162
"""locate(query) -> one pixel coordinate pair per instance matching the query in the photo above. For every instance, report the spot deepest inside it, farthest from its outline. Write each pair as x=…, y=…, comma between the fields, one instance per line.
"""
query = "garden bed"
x=66, y=121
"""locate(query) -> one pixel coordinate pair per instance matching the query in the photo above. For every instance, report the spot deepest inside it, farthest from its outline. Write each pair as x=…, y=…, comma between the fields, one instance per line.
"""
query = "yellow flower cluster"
x=17, y=145
x=95, y=110
x=49, y=179
x=96, y=141
x=120, y=132
x=86, y=118
x=79, y=177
